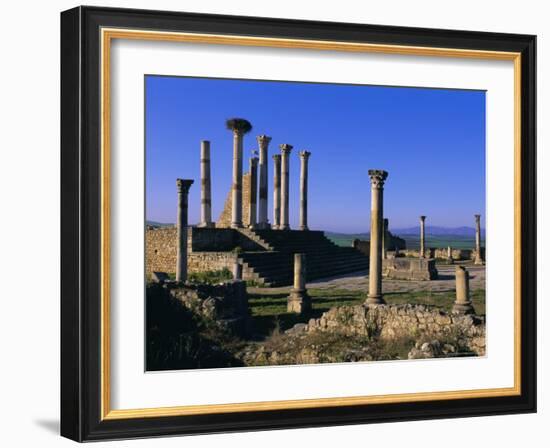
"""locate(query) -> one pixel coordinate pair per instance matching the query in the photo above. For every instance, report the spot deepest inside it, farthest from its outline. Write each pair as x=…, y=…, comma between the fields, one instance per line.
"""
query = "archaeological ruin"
x=243, y=245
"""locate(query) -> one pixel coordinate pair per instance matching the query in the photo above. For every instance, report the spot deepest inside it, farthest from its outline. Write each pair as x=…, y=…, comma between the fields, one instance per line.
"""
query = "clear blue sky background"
x=431, y=141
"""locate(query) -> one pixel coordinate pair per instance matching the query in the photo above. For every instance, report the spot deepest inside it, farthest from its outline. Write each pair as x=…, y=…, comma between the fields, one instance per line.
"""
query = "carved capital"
x=277, y=158
x=253, y=162
x=263, y=141
x=285, y=148
x=304, y=155
x=422, y=218
x=184, y=185
x=478, y=217
x=377, y=178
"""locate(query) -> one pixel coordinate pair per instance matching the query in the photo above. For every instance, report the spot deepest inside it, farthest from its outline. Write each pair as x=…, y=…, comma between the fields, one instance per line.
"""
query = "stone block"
x=409, y=269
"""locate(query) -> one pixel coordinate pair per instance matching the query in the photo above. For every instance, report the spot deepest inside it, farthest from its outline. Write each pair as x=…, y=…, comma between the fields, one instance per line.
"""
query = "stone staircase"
x=274, y=266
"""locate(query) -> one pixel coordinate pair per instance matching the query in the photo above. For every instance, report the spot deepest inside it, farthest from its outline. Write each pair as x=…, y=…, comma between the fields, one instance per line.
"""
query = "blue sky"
x=431, y=141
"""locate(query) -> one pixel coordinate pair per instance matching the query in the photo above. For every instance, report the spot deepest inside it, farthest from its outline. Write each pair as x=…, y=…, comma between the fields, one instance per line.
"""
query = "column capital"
x=304, y=154
x=277, y=157
x=378, y=177
x=422, y=218
x=285, y=148
x=263, y=140
x=253, y=161
x=184, y=185
x=205, y=142
x=477, y=217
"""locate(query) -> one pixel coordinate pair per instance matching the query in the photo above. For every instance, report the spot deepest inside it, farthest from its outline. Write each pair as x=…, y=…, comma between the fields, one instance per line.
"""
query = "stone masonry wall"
x=208, y=249
x=225, y=217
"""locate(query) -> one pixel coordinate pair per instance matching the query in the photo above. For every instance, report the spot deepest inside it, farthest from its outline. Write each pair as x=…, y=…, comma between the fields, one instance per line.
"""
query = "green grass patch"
x=210, y=277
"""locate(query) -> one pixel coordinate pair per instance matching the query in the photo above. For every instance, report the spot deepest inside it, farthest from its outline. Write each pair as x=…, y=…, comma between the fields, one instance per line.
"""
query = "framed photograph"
x=274, y=223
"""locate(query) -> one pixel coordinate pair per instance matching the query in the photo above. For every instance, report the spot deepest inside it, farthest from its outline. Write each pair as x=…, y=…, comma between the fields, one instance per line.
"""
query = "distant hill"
x=438, y=231
x=159, y=224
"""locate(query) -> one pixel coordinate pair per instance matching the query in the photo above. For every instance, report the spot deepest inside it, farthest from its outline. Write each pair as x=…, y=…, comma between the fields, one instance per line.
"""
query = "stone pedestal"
x=183, y=204
x=263, y=143
x=206, y=195
x=276, y=191
x=422, y=237
x=478, y=259
x=402, y=268
x=253, y=193
x=299, y=300
x=450, y=255
x=304, y=158
x=463, y=304
x=285, y=184
x=377, y=177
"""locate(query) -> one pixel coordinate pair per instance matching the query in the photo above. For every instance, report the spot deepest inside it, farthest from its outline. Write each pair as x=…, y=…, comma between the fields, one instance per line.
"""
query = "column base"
x=284, y=227
x=478, y=261
x=375, y=300
x=463, y=308
x=237, y=225
x=304, y=228
x=206, y=225
x=298, y=301
x=263, y=226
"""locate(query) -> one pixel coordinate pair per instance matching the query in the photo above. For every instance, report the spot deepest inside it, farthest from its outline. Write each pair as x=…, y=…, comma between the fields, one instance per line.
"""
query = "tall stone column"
x=377, y=177
x=304, y=158
x=206, y=192
x=253, y=193
x=462, y=304
x=299, y=300
x=422, y=237
x=237, y=189
x=478, y=259
x=263, y=143
x=285, y=198
x=183, y=204
x=276, y=191
x=385, y=241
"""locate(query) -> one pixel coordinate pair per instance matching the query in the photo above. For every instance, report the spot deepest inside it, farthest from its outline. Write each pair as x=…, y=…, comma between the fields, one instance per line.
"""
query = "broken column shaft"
x=422, y=237
x=462, y=304
x=206, y=192
x=299, y=300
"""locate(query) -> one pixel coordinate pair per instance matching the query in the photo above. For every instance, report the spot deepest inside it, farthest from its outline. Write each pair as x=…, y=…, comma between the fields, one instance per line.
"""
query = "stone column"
x=183, y=203
x=253, y=192
x=263, y=143
x=237, y=270
x=478, y=259
x=299, y=300
x=285, y=198
x=450, y=254
x=304, y=158
x=276, y=191
x=385, y=241
x=422, y=237
x=377, y=177
x=206, y=194
x=463, y=304
x=237, y=188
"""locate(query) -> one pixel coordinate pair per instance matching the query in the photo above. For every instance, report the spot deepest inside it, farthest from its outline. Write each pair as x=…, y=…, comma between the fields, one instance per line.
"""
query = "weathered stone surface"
x=226, y=303
x=409, y=269
x=352, y=333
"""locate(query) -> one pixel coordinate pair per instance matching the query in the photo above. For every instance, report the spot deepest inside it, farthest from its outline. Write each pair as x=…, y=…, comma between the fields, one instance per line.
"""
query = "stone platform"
x=409, y=269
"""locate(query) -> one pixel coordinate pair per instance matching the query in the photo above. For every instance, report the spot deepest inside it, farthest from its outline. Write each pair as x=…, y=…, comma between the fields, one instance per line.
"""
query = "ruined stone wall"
x=441, y=252
x=395, y=321
x=160, y=249
x=225, y=217
x=208, y=249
